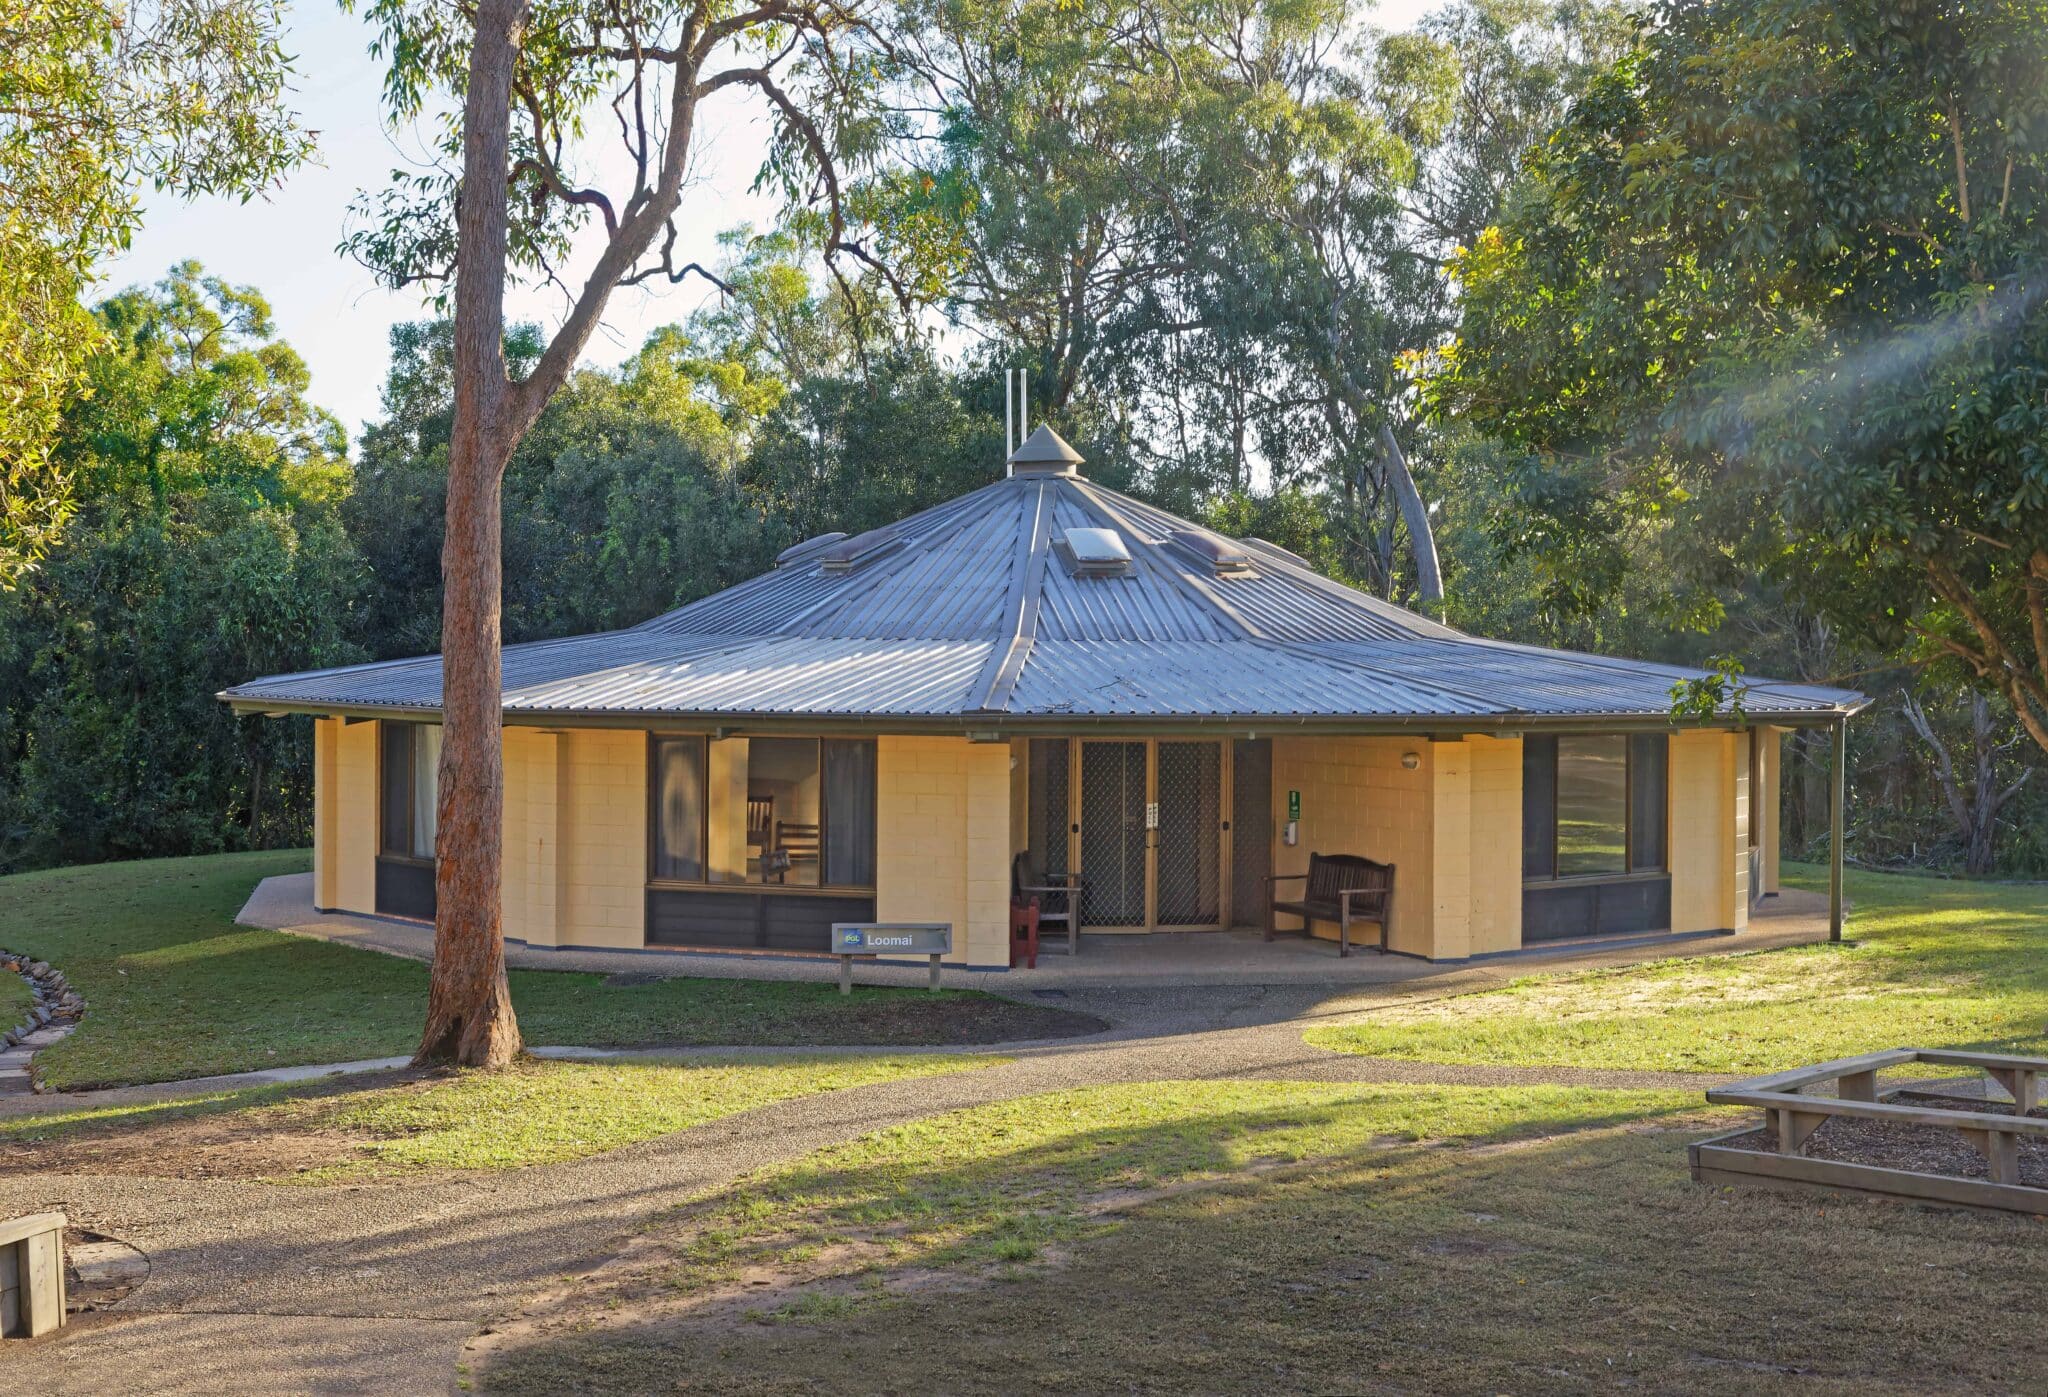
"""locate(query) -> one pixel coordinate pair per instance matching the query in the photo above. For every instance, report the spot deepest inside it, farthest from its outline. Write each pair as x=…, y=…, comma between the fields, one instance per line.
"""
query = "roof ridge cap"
x=1005, y=663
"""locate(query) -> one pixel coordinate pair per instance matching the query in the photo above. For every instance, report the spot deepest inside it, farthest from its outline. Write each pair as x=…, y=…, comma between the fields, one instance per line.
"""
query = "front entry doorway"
x=1147, y=821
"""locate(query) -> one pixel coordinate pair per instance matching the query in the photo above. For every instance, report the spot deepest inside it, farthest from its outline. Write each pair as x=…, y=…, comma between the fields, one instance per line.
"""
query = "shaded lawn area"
x=1939, y=963
x=175, y=989
x=1286, y=1237
x=400, y=1123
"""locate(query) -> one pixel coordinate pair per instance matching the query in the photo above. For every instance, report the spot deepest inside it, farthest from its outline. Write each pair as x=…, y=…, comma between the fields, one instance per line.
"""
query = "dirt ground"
x=248, y=1142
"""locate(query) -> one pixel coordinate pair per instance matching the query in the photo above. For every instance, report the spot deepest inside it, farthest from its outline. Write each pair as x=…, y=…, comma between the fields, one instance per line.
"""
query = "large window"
x=764, y=811
x=412, y=769
x=1593, y=806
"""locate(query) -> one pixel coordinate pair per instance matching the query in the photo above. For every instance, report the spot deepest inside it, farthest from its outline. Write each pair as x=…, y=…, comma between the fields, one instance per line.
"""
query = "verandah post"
x=1837, y=787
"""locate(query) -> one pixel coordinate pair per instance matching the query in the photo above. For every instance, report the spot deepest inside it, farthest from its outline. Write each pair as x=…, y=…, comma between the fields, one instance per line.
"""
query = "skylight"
x=797, y=552
x=860, y=550
x=1094, y=552
x=1218, y=554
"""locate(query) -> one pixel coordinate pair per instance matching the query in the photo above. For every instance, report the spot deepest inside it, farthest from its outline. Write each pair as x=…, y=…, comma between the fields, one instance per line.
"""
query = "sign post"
x=850, y=939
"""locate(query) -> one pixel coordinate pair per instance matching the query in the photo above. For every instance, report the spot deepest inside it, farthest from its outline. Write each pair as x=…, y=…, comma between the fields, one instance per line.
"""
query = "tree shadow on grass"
x=1561, y=1248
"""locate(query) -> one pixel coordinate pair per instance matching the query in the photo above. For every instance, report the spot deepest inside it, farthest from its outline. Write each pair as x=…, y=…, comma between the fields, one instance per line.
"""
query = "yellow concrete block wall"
x=1357, y=798
x=1496, y=916
x=943, y=809
x=354, y=884
x=601, y=834
x=1744, y=813
x=1769, y=800
x=1450, y=813
x=1706, y=814
x=530, y=880
x=989, y=839
x=326, y=733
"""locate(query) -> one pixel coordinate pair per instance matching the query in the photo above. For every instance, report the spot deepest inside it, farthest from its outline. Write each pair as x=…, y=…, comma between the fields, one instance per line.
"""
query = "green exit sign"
x=1294, y=805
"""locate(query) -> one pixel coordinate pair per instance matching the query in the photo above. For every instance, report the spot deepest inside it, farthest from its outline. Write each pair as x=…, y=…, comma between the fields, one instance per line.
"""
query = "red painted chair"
x=1024, y=932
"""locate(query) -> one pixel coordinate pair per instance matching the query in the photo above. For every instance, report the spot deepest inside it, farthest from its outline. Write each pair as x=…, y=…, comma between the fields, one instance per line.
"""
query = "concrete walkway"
x=259, y=1288
x=1185, y=959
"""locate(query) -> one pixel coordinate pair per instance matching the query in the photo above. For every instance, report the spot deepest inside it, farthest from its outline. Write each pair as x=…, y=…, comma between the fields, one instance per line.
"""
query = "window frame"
x=386, y=728
x=819, y=889
x=1630, y=871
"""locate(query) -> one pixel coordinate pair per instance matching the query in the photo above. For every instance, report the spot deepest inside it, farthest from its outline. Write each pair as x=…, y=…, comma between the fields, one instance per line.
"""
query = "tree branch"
x=1955, y=131
x=552, y=178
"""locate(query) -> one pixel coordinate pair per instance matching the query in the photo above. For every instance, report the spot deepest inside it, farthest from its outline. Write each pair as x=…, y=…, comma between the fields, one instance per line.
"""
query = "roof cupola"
x=1044, y=452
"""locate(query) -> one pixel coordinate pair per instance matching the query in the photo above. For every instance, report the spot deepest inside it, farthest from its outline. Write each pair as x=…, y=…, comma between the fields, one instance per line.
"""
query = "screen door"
x=1190, y=843
x=1113, y=833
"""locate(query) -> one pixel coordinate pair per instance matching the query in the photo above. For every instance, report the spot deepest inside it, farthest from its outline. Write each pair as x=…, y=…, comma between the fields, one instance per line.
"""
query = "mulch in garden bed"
x=1922, y=1149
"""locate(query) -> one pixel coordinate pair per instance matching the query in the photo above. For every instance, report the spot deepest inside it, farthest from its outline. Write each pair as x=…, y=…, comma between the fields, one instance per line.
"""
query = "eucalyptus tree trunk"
x=469, y=1005
x=1429, y=577
x=469, y=1009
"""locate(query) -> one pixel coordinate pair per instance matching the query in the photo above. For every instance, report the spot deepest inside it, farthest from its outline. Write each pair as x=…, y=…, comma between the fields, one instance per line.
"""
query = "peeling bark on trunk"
x=469, y=1005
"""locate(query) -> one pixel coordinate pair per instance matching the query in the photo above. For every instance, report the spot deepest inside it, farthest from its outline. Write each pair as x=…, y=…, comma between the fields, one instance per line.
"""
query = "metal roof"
x=968, y=619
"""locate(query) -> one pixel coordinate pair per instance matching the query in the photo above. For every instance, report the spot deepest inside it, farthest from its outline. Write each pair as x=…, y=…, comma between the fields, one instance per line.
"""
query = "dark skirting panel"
x=405, y=889
x=1596, y=907
x=750, y=921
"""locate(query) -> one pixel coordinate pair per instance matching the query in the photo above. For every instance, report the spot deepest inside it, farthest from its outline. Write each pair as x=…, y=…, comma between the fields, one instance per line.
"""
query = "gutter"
x=996, y=727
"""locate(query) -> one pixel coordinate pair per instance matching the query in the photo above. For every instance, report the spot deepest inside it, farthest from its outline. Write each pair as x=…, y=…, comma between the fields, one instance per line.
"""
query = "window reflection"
x=783, y=835
x=412, y=778
x=766, y=811
x=1592, y=805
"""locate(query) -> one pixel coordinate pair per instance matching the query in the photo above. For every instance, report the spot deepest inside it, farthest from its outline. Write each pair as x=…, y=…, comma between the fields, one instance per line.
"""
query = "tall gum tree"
x=522, y=176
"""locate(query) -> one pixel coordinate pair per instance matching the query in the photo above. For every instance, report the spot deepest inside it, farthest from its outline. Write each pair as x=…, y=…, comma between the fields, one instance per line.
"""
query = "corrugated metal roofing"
x=974, y=620
x=1219, y=679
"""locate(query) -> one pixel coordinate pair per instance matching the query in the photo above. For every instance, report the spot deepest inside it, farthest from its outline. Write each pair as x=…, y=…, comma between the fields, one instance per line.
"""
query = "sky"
x=330, y=309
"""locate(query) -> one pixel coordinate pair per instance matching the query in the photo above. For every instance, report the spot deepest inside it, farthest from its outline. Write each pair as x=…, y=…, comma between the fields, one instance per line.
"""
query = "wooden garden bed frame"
x=1793, y=1116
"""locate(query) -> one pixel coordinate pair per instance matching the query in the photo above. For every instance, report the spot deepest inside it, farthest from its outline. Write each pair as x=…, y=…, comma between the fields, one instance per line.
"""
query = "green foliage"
x=1220, y=225
x=207, y=549
x=1718, y=694
x=97, y=99
x=1778, y=280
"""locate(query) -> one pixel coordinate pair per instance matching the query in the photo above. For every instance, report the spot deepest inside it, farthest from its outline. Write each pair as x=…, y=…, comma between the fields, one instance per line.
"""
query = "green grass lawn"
x=14, y=999
x=1285, y=1237
x=175, y=989
x=1938, y=963
x=536, y=1112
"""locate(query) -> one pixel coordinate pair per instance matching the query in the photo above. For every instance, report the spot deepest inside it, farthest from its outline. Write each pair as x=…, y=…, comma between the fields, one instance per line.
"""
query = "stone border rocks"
x=56, y=1010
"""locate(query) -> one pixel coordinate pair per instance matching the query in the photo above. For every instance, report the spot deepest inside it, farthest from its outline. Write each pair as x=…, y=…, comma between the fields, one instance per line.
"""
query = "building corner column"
x=985, y=938
x=326, y=872
x=1449, y=932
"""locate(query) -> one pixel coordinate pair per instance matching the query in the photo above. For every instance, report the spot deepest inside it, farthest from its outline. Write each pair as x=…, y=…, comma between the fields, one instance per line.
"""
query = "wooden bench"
x=1341, y=888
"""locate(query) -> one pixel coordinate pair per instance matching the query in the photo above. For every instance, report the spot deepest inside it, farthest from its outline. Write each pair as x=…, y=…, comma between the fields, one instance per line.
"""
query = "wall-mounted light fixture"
x=1410, y=760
